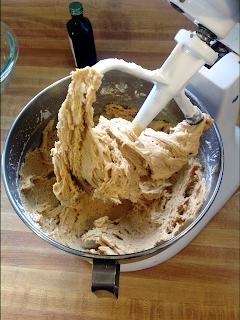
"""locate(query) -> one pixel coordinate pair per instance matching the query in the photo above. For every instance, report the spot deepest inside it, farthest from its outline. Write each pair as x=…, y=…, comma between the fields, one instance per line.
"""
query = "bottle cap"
x=75, y=8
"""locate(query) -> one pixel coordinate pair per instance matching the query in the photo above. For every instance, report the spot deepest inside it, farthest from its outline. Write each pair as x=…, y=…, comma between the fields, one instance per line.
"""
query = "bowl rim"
x=14, y=50
x=141, y=254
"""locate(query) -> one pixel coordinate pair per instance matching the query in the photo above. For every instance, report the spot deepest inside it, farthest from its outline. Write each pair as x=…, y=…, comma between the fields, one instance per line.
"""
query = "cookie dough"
x=102, y=189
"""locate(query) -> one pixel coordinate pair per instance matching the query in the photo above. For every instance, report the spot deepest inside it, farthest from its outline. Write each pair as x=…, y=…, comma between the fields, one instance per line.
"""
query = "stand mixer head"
x=215, y=18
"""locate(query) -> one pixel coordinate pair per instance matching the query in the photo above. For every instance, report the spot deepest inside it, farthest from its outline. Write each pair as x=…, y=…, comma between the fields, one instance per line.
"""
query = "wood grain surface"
x=39, y=281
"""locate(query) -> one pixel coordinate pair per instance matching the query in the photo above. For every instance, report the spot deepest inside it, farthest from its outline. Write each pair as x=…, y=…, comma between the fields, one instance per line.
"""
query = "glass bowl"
x=9, y=55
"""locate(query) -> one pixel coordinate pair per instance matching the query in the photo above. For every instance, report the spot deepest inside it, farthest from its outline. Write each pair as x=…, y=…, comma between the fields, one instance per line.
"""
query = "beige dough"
x=113, y=192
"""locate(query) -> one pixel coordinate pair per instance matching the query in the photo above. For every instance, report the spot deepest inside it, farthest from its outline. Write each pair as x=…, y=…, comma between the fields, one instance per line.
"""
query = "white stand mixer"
x=216, y=87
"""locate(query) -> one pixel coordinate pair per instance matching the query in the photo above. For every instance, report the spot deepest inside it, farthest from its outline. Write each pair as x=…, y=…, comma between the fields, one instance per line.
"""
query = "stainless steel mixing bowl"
x=121, y=88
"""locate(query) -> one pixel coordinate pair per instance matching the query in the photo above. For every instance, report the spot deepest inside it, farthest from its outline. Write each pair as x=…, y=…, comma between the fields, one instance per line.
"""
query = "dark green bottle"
x=81, y=37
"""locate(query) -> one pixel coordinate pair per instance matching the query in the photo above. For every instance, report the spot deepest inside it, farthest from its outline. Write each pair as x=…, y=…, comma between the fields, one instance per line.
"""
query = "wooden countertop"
x=42, y=282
